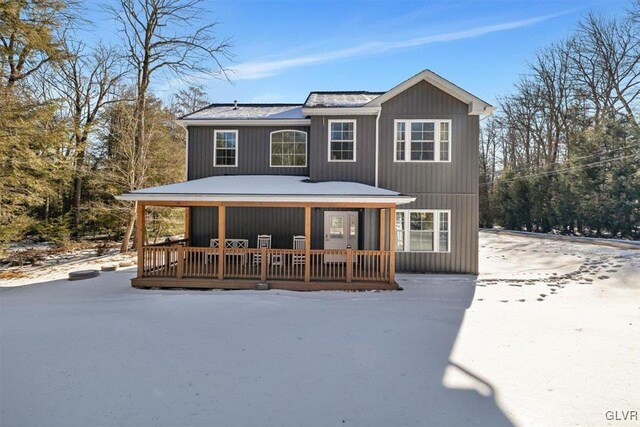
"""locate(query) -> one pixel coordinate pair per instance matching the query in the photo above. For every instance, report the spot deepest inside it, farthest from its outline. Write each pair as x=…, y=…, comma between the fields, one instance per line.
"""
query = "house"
x=370, y=183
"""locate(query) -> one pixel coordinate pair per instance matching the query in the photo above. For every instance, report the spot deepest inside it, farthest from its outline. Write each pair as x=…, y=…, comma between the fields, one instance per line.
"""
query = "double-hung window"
x=423, y=230
x=225, y=148
x=288, y=148
x=342, y=141
x=422, y=141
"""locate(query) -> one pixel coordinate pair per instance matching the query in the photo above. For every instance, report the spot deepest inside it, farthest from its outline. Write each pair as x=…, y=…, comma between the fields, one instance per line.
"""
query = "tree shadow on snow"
x=99, y=352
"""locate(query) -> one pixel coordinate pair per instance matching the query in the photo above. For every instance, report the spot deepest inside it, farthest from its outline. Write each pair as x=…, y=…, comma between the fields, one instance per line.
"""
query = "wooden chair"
x=298, y=244
x=264, y=241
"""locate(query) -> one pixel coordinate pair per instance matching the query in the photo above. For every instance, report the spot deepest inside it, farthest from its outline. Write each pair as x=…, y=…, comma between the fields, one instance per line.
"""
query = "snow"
x=337, y=99
x=247, y=111
x=261, y=185
x=448, y=350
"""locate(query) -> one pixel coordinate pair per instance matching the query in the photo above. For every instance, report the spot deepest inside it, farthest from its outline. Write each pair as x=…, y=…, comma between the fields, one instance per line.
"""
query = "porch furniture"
x=264, y=241
x=298, y=244
x=232, y=244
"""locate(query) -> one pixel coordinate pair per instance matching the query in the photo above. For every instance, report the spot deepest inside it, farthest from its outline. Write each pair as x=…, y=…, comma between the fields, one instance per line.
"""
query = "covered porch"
x=229, y=262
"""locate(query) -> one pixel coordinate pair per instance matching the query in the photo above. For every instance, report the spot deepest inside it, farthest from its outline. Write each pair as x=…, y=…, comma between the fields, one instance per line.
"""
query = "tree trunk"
x=47, y=205
x=77, y=196
x=127, y=234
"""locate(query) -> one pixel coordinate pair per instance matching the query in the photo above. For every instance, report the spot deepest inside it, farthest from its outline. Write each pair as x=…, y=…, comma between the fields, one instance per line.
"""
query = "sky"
x=284, y=49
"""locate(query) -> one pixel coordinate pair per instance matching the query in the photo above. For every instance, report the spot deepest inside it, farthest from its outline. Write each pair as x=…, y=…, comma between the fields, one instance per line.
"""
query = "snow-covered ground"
x=548, y=334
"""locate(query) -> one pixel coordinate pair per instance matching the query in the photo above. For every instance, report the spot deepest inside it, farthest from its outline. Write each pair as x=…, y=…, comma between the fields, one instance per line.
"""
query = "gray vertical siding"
x=281, y=223
x=247, y=223
x=362, y=170
x=253, y=152
x=463, y=255
x=436, y=185
x=424, y=101
x=451, y=185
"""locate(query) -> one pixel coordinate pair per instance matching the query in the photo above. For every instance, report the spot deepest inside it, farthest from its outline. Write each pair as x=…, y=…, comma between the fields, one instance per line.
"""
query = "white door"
x=340, y=232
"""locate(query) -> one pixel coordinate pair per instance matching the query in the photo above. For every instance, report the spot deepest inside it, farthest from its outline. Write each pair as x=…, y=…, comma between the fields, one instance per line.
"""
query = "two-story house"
x=339, y=192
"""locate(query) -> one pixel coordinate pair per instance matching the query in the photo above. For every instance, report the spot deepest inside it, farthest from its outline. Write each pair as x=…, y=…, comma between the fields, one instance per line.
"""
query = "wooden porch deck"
x=198, y=267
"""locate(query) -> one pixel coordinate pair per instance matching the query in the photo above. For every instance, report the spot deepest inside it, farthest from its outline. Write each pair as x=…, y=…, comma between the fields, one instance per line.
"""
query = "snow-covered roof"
x=268, y=188
x=247, y=111
x=340, y=99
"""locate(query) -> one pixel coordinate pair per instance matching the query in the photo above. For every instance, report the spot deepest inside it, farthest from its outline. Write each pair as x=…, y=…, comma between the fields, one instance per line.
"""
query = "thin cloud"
x=261, y=69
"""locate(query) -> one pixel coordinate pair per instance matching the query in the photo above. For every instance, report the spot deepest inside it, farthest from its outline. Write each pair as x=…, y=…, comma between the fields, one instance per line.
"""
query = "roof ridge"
x=253, y=104
x=354, y=92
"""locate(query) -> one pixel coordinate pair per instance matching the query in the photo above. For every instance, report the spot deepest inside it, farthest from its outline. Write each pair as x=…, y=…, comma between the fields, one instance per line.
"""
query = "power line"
x=586, y=156
x=567, y=169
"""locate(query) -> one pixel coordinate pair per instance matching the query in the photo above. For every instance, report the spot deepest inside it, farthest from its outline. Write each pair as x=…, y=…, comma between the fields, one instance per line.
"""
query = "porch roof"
x=267, y=189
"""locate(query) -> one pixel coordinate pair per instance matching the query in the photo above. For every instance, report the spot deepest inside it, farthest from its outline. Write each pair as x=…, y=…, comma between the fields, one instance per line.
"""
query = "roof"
x=476, y=105
x=266, y=188
x=340, y=99
x=327, y=103
x=247, y=111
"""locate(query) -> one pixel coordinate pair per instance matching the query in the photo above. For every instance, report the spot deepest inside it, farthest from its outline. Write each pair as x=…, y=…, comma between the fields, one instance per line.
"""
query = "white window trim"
x=215, y=147
x=329, y=140
x=407, y=143
x=436, y=230
x=306, y=149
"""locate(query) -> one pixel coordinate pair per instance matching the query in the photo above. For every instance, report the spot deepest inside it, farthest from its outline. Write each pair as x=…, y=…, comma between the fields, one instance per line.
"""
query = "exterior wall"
x=451, y=185
x=463, y=255
x=253, y=152
x=362, y=170
x=281, y=223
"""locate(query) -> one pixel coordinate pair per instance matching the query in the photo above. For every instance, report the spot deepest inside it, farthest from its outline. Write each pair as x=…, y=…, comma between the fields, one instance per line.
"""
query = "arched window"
x=288, y=148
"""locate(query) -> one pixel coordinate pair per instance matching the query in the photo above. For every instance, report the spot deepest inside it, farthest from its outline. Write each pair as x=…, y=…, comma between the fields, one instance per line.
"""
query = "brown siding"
x=253, y=152
x=362, y=170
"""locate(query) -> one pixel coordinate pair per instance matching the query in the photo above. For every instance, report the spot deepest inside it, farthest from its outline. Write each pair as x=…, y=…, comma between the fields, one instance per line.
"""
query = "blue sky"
x=282, y=50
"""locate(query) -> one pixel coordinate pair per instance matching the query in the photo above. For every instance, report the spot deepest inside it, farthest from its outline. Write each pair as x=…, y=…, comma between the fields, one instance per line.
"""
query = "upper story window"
x=342, y=140
x=423, y=230
x=422, y=140
x=226, y=148
x=288, y=148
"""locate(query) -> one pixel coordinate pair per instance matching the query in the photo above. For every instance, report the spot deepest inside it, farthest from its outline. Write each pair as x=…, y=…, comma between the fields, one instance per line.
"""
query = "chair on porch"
x=264, y=241
x=298, y=244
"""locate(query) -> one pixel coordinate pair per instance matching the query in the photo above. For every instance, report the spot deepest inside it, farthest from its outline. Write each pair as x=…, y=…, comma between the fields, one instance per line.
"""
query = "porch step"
x=262, y=286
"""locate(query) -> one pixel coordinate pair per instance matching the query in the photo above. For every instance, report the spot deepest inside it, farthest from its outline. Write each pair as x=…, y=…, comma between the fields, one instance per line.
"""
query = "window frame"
x=436, y=230
x=407, y=140
x=215, y=147
x=306, y=149
x=329, y=123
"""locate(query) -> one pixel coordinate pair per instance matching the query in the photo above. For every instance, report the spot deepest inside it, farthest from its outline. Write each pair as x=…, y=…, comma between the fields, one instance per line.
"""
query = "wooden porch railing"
x=336, y=265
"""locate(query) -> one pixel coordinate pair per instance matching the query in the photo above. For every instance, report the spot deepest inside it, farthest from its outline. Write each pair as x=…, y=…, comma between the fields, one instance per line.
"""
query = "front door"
x=340, y=232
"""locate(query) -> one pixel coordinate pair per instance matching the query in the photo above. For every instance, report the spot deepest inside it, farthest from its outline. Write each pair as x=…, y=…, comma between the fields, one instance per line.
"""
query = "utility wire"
x=564, y=170
x=585, y=156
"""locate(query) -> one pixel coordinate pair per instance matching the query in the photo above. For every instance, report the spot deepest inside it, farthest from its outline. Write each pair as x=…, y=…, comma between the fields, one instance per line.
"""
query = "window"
x=400, y=231
x=423, y=231
x=444, y=141
x=400, y=140
x=288, y=148
x=342, y=141
x=422, y=140
x=226, y=148
x=336, y=227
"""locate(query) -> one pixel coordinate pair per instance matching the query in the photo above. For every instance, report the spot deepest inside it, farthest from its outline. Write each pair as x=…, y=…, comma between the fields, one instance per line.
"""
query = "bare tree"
x=606, y=58
x=551, y=70
x=164, y=37
x=86, y=80
x=188, y=100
